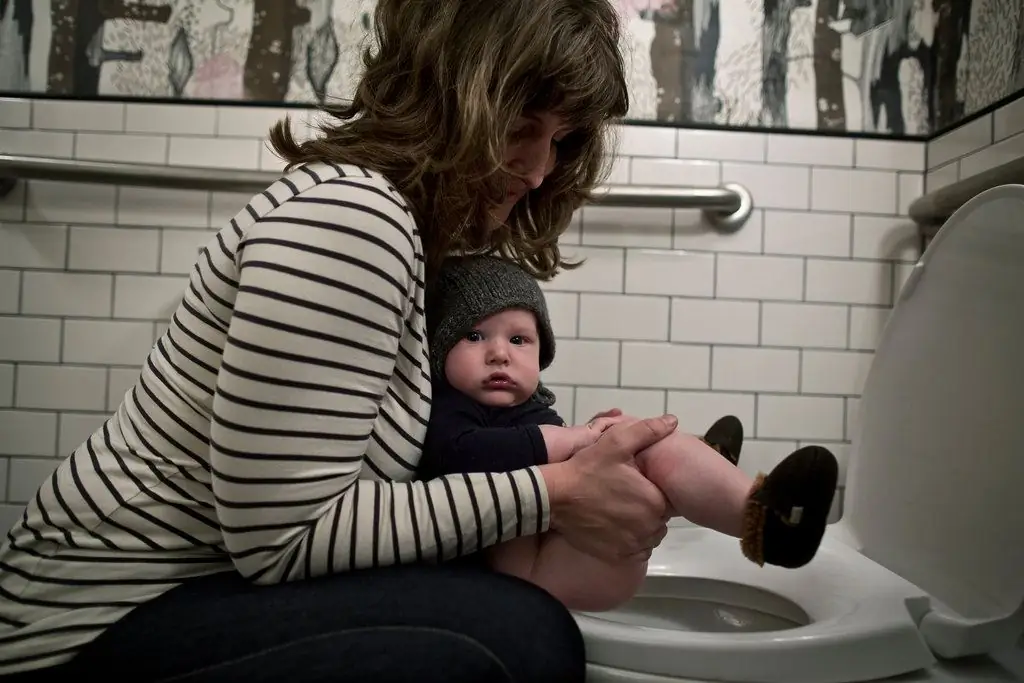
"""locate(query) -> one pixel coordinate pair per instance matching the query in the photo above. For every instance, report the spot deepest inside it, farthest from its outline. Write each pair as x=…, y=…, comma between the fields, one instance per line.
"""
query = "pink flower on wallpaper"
x=218, y=78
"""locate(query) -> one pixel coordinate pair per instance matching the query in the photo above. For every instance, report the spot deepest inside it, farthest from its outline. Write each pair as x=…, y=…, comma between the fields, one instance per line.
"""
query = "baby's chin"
x=501, y=399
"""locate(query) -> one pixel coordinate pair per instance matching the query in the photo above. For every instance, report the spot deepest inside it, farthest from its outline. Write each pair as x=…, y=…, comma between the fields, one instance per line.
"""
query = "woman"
x=250, y=510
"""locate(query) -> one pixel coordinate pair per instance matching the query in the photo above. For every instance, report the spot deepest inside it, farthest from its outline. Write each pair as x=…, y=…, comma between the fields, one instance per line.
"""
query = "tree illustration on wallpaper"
x=683, y=50
x=828, y=67
x=706, y=104
x=667, y=64
x=672, y=51
x=16, y=19
x=735, y=83
x=900, y=71
x=268, y=63
x=322, y=55
x=803, y=49
x=775, y=32
x=952, y=22
x=869, y=67
x=76, y=43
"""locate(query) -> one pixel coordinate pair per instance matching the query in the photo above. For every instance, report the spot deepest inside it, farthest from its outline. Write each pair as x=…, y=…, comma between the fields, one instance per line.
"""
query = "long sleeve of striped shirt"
x=327, y=288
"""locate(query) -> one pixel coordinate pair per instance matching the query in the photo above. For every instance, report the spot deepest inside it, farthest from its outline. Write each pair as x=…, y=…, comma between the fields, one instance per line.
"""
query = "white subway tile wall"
x=977, y=146
x=775, y=323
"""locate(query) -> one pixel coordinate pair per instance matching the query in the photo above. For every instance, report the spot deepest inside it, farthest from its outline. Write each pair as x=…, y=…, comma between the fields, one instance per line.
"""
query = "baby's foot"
x=726, y=437
x=787, y=511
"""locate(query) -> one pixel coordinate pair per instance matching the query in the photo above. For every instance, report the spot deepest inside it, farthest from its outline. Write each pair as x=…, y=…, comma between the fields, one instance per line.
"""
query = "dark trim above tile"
x=630, y=122
x=978, y=114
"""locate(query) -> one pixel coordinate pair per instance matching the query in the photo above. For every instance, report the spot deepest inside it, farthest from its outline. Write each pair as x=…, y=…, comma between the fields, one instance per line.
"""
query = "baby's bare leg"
x=579, y=581
x=780, y=518
x=698, y=482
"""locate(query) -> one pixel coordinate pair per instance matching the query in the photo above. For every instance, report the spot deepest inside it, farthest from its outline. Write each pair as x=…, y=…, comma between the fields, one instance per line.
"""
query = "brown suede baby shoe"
x=787, y=511
x=726, y=437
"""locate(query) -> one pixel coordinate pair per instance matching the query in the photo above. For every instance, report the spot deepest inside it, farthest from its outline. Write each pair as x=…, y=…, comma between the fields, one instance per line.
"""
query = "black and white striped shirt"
x=275, y=428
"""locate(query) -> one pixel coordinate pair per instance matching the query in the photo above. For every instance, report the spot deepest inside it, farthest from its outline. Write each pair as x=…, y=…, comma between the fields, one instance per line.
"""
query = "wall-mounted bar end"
x=727, y=223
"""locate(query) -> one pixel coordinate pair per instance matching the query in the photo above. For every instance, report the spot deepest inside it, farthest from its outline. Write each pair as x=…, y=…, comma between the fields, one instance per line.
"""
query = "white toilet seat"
x=863, y=620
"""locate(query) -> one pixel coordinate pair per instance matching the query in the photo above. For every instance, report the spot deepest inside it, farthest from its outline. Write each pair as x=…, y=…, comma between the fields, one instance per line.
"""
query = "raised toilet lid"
x=935, y=481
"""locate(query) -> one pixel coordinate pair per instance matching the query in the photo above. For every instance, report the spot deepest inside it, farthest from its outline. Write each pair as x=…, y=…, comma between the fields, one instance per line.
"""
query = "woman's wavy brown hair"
x=442, y=87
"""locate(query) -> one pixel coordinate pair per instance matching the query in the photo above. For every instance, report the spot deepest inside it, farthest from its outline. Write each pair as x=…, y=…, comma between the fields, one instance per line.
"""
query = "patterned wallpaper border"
x=895, y=68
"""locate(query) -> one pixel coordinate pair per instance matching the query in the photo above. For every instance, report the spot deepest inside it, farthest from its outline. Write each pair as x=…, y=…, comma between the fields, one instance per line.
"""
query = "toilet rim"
x=874, y=617
x=837, y=583
x=863, y=618
x=880, y=643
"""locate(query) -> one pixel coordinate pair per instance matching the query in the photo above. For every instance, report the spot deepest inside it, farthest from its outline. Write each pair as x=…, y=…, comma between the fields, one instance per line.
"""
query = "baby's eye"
x=519, y=340
x=474, y=336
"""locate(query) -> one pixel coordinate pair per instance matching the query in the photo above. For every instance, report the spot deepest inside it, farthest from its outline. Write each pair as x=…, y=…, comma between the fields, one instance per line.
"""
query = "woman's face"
x=530, y=156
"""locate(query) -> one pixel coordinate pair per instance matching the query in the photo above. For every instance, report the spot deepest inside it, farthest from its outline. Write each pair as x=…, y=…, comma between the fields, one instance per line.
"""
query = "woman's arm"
x=326, y=283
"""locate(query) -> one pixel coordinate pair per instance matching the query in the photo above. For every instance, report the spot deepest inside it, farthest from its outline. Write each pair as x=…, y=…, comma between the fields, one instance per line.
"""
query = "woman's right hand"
x=601, y=503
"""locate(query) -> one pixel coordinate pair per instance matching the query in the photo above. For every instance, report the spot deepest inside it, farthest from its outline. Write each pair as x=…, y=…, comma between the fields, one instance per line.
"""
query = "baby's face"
x=498, y=362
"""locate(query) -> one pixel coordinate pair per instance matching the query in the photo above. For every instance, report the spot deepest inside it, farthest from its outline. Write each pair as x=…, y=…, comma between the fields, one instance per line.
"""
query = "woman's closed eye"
x=534, y=130
x=518, y=134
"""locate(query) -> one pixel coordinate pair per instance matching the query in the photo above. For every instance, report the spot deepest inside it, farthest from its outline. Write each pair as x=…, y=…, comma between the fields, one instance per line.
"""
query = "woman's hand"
x=601, y=503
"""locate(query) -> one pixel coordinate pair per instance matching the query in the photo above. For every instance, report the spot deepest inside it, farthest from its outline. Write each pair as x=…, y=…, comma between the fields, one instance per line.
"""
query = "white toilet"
x=926, y=567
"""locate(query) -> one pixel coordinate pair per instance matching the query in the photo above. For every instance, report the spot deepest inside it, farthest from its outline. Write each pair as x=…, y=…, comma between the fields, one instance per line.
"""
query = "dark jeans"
x=451, y=623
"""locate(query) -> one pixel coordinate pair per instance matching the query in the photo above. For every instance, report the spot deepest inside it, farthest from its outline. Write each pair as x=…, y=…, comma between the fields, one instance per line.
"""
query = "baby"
x=490, y=338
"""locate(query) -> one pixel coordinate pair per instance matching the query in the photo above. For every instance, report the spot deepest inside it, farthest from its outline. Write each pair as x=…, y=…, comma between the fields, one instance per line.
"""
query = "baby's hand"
x=564, y=442
x=581, y=436
x=588, y=434
x=603, y=421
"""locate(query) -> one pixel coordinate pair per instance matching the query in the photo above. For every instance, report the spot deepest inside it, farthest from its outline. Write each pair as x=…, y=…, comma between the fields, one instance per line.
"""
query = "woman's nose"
x=534, y=161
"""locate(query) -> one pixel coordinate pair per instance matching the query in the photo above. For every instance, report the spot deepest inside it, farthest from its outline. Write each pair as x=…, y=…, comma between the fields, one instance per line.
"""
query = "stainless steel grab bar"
x=726, y=208
x=930, y=211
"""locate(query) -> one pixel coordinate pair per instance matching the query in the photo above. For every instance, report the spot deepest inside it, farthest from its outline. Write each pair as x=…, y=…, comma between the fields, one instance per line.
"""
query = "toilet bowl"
x=927, y=563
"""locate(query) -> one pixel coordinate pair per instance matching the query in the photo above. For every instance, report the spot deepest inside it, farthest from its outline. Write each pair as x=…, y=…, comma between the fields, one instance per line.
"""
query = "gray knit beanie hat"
x=469, y=289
